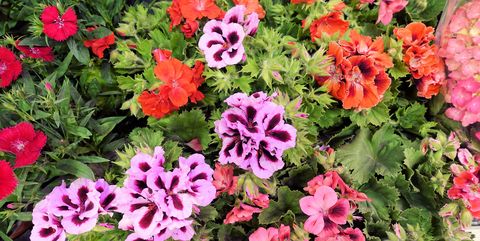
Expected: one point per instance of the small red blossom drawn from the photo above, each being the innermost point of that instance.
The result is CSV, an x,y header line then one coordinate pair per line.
x,y
22,141
329,24
99,45
241,213
8,181
10,67
224,180
59,27
189,28
36,52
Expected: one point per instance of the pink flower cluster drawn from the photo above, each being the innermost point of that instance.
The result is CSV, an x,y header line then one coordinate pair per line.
x,y
254,134
73,210
387,9
461,50
222,41
466,181
271,234
158,203
327,212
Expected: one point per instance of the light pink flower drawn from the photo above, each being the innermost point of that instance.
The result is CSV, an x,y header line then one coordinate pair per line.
x,y
388,8
325,212
271,234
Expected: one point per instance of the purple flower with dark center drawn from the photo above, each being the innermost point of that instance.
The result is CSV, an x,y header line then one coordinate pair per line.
x,y
140,166
237,15
109,197
199,179
47,227
222,43
254,134
78,205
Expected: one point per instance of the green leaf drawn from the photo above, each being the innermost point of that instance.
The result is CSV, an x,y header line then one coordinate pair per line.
x,y
23,216
412,116
75,168
425,10
383,196
92,159
399,70
416,216
412,157
368,155
375,116
208,213
79,51
287,200
79,131
4,236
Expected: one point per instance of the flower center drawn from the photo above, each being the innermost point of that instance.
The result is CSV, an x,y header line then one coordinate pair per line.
x,y
19,145
35,50
3,67
59,21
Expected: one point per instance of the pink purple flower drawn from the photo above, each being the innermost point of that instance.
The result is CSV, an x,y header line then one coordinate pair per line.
x,y
271,234
254,134
388,8
237,15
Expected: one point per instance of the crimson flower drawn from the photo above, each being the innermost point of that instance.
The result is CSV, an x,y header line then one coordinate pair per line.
x,y
22,141
58,27
99,45
8,181
10,67
36,52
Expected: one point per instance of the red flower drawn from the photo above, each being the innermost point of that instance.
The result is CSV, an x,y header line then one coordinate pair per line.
x,y
99,45
38,52
197,9
189,28
22,141
156,104
224,180
253,6
329,24
59,27
241,213
10,67
178,77
161,55
198,80
175,14
8,181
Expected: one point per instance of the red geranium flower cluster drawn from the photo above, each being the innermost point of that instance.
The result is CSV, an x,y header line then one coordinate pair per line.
x,y
26,144
58,27
357,76
466,181
36,52
180,83
422,59
99,45
328,24
191,11
10,67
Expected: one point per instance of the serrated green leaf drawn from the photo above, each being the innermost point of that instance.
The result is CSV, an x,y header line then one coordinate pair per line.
x,y
287,200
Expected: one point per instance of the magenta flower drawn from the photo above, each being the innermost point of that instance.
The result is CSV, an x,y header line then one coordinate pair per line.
x,y
325,212
47,227
237,15
388,8
254,134
109,197
222,43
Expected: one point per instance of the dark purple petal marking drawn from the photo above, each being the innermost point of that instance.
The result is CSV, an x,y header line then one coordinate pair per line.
x,y
233,53
45,232
177,202
217,29
218,55
141,184
280,135
136,206
229,147
100,189
213,42
201,176
66,200
144,166
251,113
233,38
233,19
82,194
239,149
274,122
183,229
235,118
269,156
159,183
193,165
89,206
108,200
147,219
338,210
175,182
77,221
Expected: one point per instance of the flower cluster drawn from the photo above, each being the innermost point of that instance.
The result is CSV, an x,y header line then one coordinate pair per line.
x,y
422,58
222,41
271,234
158,204
180,83
461,50
466,181
357,75
327,212
329,24
73,210
254,134
191,11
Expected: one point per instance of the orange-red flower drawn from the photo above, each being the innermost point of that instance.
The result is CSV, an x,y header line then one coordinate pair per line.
x,y
180,83
197,9
189,28
357,75
253,6
99,45
175,13
329,24
414,34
